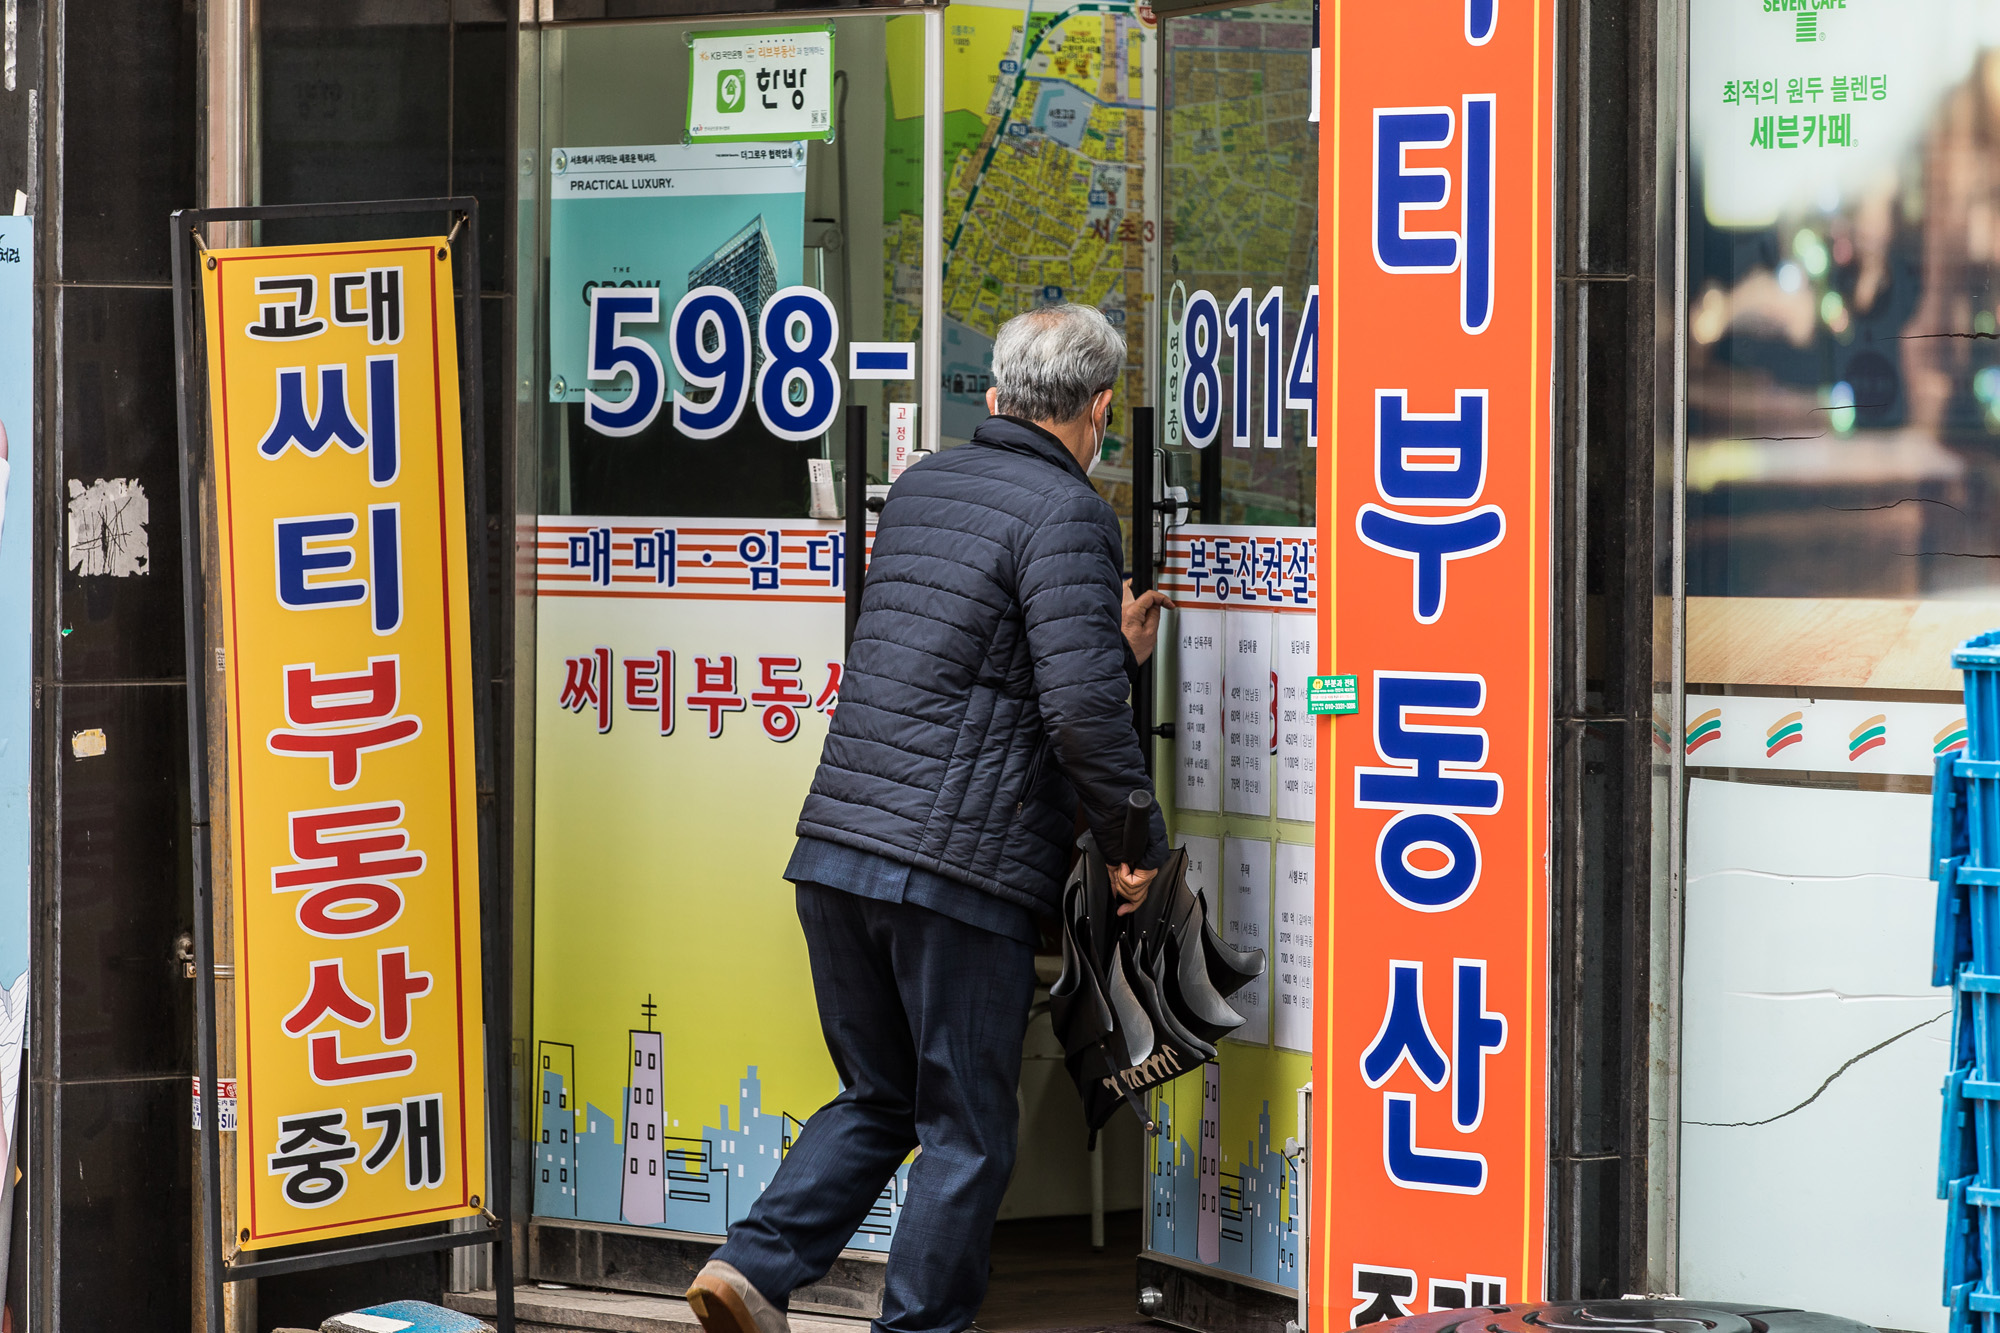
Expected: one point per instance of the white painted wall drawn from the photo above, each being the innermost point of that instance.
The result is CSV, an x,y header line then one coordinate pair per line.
x,y
1808,941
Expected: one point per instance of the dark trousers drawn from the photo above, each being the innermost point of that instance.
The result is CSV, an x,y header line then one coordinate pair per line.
x,y
924,1017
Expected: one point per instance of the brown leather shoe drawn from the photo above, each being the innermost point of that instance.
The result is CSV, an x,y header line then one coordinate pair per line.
x,y
725,1302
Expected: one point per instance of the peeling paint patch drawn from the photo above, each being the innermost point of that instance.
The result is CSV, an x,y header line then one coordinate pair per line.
x,y
88,744
107,527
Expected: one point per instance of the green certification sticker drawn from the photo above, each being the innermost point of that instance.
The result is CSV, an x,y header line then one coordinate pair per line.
x,y
1333,694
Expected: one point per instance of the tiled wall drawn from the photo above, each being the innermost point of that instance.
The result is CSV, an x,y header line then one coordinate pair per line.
x,y
361,99
114,144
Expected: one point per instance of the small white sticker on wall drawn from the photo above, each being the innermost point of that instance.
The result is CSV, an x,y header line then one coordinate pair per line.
x,y
87,744
107,527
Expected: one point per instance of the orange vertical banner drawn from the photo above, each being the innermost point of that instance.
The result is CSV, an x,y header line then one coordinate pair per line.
x,y
1429,1137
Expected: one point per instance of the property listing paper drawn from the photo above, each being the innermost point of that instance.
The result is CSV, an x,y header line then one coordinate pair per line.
x,y
1204,856
1246,880
1250,703
1291,961
340,514
1430,1142
1296,647
1200,708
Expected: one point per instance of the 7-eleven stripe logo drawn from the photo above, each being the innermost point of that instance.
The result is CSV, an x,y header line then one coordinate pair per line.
x,y
1702,730
1872,734
1787,731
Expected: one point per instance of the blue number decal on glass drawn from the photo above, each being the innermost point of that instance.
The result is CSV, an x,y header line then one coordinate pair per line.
x,y
1302,380
1237,318
798,392
1271,333
1201,385
615,353
711,347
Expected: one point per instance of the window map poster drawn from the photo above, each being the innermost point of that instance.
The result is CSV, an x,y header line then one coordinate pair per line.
x,y
1430,1138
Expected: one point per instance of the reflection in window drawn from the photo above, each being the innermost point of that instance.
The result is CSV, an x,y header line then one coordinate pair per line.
x,y
1240,196
625,219
1046,140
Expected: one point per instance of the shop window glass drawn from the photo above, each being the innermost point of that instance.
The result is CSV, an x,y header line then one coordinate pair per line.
x,y
1047,135
1842,536
1238,189
1843,399
353,104
1241,183
772,216
687,596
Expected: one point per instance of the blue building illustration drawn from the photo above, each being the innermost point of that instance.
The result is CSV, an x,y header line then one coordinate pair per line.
x,y
555,1125
1255,1226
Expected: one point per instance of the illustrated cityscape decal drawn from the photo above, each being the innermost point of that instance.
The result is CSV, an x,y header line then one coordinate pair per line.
x,y
643,1169
1242,1222
656,1174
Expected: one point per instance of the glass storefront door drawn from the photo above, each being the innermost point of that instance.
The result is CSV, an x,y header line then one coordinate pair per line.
x,y
722,215
688,574
1238,270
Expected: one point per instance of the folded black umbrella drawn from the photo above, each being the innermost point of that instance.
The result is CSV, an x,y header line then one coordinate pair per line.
x,y
1143,997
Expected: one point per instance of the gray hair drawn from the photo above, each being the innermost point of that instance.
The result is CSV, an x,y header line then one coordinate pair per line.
x,y
1049,363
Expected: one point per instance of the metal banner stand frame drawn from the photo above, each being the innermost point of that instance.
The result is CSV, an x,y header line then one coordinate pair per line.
x,y
496,925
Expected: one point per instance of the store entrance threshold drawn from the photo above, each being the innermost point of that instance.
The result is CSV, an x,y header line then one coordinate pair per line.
x,y
1046,1279
1046,1276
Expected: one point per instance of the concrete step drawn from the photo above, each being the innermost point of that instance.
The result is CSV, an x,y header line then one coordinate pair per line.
x,y
540,1309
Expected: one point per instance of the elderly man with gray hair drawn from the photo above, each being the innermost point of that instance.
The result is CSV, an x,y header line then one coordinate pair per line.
x,y
984,718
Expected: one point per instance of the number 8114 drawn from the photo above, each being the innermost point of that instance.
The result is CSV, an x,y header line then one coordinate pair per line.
x,y
796,389
1287,384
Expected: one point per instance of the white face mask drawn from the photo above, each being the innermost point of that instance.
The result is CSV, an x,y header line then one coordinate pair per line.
x,y
1098,455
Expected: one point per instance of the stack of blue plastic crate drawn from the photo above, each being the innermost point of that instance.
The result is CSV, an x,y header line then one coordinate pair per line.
x,y
1965,862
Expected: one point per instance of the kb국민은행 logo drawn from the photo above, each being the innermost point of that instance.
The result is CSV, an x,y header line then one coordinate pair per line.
x,y
730,88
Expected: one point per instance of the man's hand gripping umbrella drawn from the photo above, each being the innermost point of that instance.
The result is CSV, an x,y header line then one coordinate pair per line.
x,y
1145,987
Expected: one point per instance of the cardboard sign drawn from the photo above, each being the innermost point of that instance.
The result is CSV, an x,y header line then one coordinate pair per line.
x,y
340,517
1429,1088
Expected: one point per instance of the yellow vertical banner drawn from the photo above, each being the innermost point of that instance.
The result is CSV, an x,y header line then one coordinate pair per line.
x,y
340,513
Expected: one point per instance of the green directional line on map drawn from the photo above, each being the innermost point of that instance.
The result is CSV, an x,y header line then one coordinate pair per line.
x,y
1028,50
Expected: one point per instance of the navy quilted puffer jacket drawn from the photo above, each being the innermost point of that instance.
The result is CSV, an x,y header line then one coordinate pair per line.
x,y
987,693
